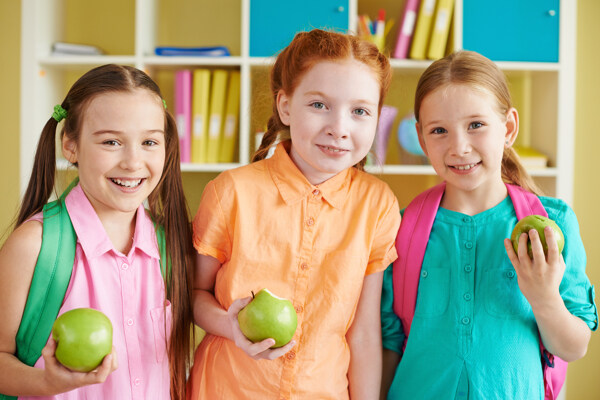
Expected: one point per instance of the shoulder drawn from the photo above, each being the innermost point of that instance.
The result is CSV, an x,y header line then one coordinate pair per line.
x,y
371,185
560,212
19,254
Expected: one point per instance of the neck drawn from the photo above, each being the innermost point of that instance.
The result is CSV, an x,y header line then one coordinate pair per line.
x,y
120,229
472,202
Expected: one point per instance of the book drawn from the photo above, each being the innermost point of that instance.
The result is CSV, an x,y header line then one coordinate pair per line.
x,y
211,51
231,122
418,47
440,29
200,97
183,112
218,92
63,48
406,28
531,158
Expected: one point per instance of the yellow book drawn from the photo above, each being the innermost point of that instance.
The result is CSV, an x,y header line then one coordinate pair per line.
x,y
418,48
218,92
230,125
200,97
531,158
440,29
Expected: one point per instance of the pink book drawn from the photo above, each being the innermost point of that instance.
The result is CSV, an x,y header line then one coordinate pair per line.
x,y
183,112
406,28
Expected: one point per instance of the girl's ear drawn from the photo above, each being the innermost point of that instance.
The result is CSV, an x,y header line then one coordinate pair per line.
x,y
69,149
283,107
420,136
512,127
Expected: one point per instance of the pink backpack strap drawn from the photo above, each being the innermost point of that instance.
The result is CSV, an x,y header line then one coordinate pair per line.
x,y
411,243
555,369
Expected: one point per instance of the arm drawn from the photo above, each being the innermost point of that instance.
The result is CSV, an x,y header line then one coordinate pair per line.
x,y
563,334
213,318
18,257
364,340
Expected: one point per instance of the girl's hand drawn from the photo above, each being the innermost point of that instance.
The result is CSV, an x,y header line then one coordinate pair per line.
x,y
259,350
539,279
60,379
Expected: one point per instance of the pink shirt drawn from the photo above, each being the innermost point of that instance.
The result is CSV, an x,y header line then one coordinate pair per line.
x,y
130,290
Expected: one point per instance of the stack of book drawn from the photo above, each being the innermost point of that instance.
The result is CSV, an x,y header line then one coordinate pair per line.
x,y
424,29
207,104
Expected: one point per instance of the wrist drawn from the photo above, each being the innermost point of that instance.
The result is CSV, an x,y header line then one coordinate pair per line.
x,y
548,306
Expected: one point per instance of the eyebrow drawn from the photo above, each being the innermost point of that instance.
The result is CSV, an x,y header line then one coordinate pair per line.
x,y
115,132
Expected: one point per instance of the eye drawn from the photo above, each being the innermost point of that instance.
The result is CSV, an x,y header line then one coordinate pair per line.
x,y
150,142
438,131
318,105
110,142
361,112
475,125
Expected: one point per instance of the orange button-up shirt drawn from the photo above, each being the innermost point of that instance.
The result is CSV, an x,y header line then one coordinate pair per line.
x,y
270,228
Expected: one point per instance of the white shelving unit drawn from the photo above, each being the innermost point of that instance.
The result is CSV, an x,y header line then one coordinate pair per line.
x,y
42,82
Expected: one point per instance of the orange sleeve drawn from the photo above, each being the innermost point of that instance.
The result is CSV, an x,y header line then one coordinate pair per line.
x,y
383,248
211,236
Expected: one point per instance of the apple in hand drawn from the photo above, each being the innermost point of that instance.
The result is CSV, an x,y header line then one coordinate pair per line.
x,y
83,338
538,223
268,316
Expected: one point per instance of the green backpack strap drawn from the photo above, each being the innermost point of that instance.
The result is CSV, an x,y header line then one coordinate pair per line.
x,y
165,264
50,280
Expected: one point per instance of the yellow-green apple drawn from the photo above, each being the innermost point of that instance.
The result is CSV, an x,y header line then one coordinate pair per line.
x,y
538,223
83,338
268,316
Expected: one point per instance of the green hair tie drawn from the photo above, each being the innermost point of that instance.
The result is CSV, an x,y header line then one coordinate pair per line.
x,y
164,103
59,113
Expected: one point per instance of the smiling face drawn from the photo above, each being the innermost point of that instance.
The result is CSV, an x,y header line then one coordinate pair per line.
x,y
120,153
332,115
463,133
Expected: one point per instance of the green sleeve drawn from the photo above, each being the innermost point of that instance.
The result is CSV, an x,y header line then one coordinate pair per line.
x,y
391,327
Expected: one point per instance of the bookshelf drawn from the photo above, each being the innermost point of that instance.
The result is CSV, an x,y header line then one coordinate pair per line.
x,y
543,91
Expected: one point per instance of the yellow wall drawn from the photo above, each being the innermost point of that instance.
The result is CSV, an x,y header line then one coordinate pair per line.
x,y
583,380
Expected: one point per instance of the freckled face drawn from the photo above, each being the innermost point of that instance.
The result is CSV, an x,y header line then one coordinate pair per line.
x,y
332,115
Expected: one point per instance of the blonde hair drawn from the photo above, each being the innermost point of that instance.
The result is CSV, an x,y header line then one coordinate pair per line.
x,y
474,70
304,51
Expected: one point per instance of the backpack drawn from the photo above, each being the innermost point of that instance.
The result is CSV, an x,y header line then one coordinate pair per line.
x,y
411,243
51,279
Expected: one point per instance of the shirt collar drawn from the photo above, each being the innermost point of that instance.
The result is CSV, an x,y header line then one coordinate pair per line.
x,y
92,235
293,185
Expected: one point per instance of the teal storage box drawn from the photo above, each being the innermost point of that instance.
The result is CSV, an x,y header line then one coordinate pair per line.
x,y
273,23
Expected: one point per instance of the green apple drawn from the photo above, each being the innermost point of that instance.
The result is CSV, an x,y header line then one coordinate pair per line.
x,y
268,316
83,338
538,223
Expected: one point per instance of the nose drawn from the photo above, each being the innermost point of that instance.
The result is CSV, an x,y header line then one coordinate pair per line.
x,y
460,144
338,126
131,158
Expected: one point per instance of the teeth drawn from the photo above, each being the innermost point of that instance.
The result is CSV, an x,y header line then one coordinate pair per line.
x,y
465,167
332,149
128,183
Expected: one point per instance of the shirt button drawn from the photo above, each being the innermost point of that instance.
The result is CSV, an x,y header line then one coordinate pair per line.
x,y
298,309
467,296
125,266
465,320
130,321
310,221
316,192
469,245
291,355
466,219
424,274
304,266
468,268
510,274
137,382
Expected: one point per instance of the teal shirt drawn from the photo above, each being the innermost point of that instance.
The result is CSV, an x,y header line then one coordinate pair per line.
x,y
474,335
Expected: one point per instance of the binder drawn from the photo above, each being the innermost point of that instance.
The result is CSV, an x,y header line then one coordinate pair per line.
x,y
440,29
230,124
200,97
218,92
183,111
418,48
406,28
